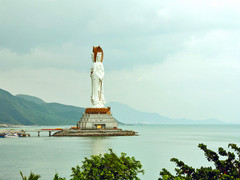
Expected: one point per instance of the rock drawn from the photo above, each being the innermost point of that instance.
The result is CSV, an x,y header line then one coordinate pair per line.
x,y
78,132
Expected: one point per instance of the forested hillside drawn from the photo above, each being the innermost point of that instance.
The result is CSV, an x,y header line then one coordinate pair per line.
x,y
28,110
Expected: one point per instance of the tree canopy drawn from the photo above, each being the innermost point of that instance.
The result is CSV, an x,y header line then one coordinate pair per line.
x,y
107,166
227,169
32,176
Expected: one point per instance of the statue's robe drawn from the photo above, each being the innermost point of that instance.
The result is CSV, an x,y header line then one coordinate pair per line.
x,y
97,95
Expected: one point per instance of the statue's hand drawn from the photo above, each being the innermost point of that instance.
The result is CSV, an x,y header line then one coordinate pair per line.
x,y
92,57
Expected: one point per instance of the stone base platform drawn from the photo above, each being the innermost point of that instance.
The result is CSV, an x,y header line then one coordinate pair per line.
x,y
77,132
97,118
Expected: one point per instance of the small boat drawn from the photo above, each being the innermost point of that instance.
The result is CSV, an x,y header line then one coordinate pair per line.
x,y
11,135
23,134
2,135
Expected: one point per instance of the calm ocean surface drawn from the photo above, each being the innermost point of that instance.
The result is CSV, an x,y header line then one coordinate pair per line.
x,y
154,147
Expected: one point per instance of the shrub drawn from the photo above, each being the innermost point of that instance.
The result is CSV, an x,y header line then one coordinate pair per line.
x,y
107,166
226,169
32,176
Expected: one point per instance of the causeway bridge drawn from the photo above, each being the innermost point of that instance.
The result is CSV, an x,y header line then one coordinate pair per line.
x,y
30,130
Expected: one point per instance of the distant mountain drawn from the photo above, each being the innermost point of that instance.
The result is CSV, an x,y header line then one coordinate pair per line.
x,y
128,115
29,110
31,98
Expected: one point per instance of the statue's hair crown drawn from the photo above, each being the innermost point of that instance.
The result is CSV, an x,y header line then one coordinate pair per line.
x,y
97,50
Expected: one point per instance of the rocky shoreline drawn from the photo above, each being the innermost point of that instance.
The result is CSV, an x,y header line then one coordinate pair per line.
x,y
78,132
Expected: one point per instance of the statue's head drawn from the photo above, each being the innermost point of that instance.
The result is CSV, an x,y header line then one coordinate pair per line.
x,y
97,51
99,57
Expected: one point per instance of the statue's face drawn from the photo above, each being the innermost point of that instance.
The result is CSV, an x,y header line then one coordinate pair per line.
x,y
99,57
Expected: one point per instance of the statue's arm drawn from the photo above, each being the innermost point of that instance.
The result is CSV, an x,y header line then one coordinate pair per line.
x,y
93,69
98,71
101,72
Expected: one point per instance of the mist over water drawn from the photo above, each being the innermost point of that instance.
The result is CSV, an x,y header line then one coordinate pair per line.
x,y
154,147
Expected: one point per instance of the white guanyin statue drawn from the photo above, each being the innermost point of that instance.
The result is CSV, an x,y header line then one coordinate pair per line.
x,y
97,75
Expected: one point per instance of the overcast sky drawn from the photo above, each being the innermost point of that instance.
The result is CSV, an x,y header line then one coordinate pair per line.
x,y
178,58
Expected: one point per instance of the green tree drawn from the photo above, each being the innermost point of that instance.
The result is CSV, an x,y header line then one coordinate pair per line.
x,y
31,176
56,177
227,169
107,166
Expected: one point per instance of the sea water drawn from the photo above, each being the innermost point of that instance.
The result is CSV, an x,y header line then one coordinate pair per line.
x,y
154,147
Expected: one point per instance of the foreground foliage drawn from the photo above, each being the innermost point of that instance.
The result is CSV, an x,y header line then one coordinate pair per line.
x,y
108,166
227,169
98,167
31,176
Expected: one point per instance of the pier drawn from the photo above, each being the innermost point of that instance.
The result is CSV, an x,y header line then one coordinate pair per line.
x,y
72,132
38,131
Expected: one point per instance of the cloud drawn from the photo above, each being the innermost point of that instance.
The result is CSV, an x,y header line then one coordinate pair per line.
x,y
199,82
177,58
64,57
131,31
183,86
52,85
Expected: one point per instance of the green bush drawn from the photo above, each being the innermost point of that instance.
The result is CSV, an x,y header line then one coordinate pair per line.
x,y
31,176
108,166
227,169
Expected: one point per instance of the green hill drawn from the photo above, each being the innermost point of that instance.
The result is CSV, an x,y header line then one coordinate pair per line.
x,y
129,115
31,98
29,110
